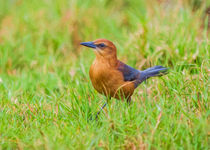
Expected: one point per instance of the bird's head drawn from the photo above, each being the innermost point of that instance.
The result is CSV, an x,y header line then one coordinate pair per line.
x,y
102,48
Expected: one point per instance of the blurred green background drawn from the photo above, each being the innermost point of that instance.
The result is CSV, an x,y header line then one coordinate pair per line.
x,y
45,91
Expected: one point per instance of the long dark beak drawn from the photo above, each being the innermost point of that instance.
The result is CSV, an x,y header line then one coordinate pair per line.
x,y
88,44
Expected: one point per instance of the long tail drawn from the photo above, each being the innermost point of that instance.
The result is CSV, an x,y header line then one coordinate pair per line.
x,y
153,72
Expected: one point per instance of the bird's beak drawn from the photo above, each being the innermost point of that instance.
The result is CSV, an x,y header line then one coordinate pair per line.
x,y
88,44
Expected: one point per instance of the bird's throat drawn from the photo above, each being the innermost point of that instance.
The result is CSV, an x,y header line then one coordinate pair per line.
x,y
110,60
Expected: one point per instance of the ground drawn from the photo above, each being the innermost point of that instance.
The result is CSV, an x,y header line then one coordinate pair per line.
x,y
46,96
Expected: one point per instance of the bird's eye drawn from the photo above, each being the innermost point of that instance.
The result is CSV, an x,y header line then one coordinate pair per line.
x,y
101,45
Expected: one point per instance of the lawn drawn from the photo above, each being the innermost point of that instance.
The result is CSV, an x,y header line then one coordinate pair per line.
x,y
46,96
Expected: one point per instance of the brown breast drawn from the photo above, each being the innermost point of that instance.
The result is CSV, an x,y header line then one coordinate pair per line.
x,y
108,81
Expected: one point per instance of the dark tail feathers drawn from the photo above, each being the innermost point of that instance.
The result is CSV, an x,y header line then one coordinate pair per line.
x,y
153,72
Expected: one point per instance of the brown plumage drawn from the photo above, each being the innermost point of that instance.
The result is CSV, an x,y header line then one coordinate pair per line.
x,y
113,78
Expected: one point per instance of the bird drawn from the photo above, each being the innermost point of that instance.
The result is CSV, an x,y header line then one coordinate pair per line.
x,y
113,78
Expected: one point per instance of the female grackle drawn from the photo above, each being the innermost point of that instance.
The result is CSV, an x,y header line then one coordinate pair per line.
x,y
113,78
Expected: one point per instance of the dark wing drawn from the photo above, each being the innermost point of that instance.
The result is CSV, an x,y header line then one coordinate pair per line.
x,y
129,73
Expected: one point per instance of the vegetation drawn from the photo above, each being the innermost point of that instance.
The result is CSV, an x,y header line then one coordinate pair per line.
x,y
46,96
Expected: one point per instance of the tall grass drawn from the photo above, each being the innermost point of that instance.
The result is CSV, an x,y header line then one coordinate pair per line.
x,y
46,96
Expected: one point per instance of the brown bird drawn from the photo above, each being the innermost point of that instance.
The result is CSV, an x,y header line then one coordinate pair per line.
x,y
113,78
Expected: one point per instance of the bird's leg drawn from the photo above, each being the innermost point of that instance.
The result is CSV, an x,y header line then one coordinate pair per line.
x,y
129,101
96,117
107,99
100,110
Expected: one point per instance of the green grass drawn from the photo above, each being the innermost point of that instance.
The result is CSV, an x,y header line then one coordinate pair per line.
x,y
46,95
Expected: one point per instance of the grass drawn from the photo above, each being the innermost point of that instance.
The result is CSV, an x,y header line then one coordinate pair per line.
x,y
46,95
